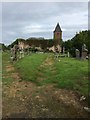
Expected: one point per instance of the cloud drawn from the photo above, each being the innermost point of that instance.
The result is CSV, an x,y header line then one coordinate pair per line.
x,y
45,0
39,19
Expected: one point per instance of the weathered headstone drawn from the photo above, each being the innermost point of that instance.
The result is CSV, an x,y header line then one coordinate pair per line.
x,y
11,56
77,54
21,53
14,51
68,54
63,50
84,52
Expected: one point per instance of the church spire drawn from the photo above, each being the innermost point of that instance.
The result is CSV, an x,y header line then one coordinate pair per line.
x,y
58,28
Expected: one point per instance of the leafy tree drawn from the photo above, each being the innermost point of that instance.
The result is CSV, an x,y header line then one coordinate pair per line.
x,y
77,42
3,47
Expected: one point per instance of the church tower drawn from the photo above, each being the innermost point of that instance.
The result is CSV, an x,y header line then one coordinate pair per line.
x,y
57,37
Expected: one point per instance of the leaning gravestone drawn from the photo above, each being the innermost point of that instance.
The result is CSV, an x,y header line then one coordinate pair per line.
x,y
77,54
84,52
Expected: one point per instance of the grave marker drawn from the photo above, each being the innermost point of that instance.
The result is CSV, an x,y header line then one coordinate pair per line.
x,y
84,52
77,54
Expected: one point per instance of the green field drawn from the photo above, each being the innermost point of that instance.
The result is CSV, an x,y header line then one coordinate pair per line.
x,y
68,73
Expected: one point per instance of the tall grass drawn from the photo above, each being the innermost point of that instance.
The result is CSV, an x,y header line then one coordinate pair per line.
x,y
68,73
27,67
72,74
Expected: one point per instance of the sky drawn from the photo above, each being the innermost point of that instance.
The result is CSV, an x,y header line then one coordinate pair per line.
x,y
38,19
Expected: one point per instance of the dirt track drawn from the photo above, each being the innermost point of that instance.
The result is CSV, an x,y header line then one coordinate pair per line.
x,y
25,99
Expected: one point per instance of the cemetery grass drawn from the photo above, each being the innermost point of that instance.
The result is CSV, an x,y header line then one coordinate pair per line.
x,y
6,73
67,73
40,85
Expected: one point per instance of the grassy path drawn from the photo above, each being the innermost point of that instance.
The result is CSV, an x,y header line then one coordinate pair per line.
x,y
26,99
46,71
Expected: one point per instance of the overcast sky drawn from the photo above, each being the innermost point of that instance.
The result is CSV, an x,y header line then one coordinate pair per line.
x,y
25,19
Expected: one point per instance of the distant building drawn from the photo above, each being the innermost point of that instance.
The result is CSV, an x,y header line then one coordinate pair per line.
x,y
40,43
57,38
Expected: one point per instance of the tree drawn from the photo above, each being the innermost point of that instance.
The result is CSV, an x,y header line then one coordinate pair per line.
x,y
77,42
3,47
80,39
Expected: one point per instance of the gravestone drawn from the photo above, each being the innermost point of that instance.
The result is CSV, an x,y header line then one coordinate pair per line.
x,y
21,55
84,52
77,54
12,55
63,50
68,54
14,51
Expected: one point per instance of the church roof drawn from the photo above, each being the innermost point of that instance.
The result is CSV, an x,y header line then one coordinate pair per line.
x,y
58,29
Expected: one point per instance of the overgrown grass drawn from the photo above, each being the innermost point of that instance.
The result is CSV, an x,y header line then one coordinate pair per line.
x,y
67,73
27,66
72,74
6,76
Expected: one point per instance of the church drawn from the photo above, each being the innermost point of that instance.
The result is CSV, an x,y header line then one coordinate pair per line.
x,y
57,38
41,44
